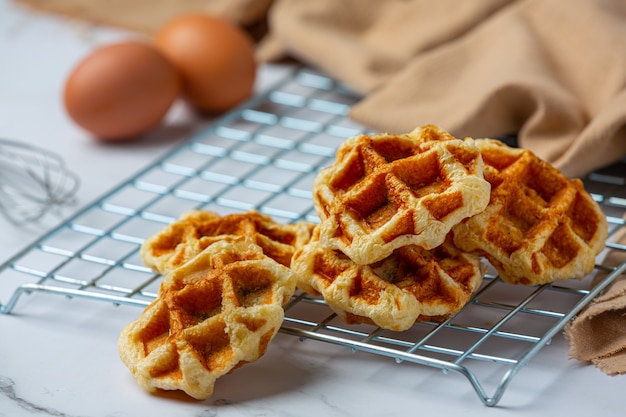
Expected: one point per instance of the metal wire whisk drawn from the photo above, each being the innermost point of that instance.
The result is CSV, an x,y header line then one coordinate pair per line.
x,y
33,182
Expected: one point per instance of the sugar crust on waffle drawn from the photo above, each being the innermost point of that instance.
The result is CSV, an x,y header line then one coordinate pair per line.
x,y
196,230
539,226
386,191
212,315
412,284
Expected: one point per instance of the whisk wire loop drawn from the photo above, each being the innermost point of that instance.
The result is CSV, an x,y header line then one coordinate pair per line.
x,y
33,182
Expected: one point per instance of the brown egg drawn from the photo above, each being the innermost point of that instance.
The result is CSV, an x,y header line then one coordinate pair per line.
x,y
214,58
121,90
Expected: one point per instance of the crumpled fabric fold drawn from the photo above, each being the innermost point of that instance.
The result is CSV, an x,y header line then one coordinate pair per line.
x,y
598,333
546,70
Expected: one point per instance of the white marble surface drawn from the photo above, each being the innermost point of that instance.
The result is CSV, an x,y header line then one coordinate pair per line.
x,y
58,357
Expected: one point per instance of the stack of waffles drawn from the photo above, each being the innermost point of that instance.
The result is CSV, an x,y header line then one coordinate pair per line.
x,y
406,223
220,302
382,253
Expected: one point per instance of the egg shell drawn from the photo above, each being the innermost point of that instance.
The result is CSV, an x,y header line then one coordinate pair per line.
x,y
214,57
121,90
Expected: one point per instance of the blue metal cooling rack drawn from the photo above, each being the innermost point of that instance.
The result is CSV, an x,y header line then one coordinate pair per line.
x,y
265,156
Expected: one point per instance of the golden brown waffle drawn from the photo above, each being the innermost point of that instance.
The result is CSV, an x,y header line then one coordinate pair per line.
x,y
412,284
539,226
196,230
213,314
387,191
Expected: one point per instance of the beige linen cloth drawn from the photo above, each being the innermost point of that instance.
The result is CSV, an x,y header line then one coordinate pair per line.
x,y
551,71
598,333
147,16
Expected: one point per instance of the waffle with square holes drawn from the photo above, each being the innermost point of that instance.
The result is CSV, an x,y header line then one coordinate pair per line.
x,y
387,191
195,230
213,314
412,284
539,226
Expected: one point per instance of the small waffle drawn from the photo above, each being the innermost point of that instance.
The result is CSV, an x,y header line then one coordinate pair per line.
x,y
412,284
195,230
213,314
539,226
387,191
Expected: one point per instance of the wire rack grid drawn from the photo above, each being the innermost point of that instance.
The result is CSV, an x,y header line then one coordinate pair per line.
x,y
264,156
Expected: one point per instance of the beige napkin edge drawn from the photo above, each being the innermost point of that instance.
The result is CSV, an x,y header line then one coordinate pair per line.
x,y
612,365
586,342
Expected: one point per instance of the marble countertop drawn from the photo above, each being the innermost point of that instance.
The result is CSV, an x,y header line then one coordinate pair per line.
x,y
58,357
